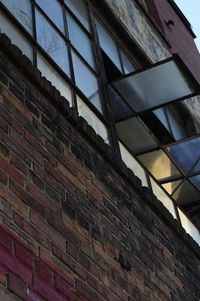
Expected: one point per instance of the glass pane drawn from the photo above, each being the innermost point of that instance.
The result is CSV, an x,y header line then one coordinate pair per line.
x,y
54,11
22,12
196,181
79,8
135,135
189,227
119,108
15,35
186,193
108,45
197,167
128,67
160,114
86,81
171,186
52,42
186,153
155,86
92,120
176,126
80,41
163,197
130,162
49,72
159,165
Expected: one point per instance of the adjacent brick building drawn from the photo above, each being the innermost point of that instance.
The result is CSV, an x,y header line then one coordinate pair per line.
x,y
99,187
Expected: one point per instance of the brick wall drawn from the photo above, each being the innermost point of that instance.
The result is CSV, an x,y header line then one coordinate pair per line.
x,y
75,222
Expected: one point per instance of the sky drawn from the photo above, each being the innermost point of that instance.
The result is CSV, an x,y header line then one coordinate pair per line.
x,y
191,10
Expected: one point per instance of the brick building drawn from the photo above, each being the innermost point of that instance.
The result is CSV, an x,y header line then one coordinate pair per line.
x,y
99,151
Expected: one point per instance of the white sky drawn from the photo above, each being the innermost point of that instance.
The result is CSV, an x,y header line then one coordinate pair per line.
x,y
191,10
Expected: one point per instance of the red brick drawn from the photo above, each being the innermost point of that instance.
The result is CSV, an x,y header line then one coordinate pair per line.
x,y
71,263
32,296
53,264
48,230
43,272
38,195
14,265
62,286
11,171
5,240
15,102
17,286
3,177
20,141
46,291
60,178
3,277
32,231
24,255
39,147
19,165
3,125
27,199
5,208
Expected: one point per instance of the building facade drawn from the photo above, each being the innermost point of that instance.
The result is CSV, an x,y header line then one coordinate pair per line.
x,y
100,161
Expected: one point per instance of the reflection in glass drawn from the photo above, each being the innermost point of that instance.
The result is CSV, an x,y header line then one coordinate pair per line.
x,y
92,120
135,135
108,45
171,186
186,153
119,108
130,162
153,87
80,41
79,8
197,167
186,193
196,181
128,67
15,35
52,42
49,72
176,126
189,227
86,81
22,12
160,114
163,197
54,11
159,165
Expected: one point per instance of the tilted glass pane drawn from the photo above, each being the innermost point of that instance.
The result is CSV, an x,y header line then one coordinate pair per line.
x,y
135,135
159,165
153,87
80,41
86,81
197,167
92,120
186,153
163,197
189,227
54,11
176,126
128,67
17,38
108,45
22,11
49,72
171,186
52,42
186,193
119,108
160,114
196,181
79,8
130,162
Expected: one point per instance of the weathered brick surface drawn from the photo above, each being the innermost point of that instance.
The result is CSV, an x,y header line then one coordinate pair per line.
x,y
74,226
